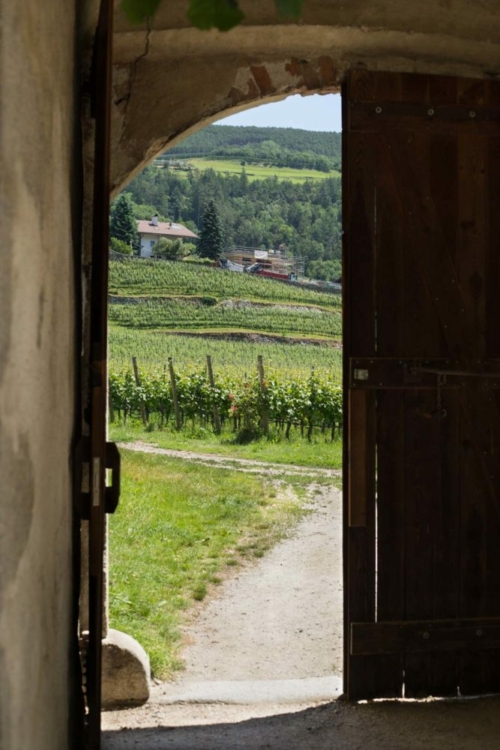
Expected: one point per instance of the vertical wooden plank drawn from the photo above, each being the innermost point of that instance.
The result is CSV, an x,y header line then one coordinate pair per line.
x,y
442,90
422,485
415,88
359,231
491,397
476,674
363,671
472,91
417,338
359,86
359,457
346,324
492,262
98,355
359,339
449,322
446,543
390,527
444,187
387,86
472,543
391,291
391,316
480,513
472,235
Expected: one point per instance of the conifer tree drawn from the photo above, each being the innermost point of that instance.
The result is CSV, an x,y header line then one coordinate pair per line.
x,y
211,240
123,224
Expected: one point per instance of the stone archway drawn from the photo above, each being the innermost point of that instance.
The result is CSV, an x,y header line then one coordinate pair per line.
x,y
171,79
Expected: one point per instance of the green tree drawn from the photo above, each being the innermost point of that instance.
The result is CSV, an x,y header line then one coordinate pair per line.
x,y
211,240
325,270
189,248
123,224
119,246
169,249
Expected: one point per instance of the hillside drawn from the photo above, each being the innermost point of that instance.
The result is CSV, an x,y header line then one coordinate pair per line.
x,y
160,309
214,139
304,218
257,171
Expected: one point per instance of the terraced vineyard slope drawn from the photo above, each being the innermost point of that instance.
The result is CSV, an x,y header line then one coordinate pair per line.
x,y
161,308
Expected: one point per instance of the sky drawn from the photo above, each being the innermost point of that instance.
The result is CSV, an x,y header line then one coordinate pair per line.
x,y
306,112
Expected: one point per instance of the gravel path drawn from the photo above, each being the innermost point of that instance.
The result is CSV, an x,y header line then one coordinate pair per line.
x,y
280,619
227,462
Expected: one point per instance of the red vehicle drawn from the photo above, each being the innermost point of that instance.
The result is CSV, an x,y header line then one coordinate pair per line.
x,y
259,270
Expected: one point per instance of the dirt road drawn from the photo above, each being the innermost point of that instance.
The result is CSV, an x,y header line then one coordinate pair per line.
x,y
227,462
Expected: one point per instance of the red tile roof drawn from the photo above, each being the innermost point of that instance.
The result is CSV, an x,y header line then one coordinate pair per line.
x,y
165,229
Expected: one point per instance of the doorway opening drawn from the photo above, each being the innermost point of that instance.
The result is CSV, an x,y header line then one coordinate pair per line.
x,y
226,386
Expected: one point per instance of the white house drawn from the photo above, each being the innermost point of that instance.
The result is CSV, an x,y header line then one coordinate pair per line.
x,y
151,231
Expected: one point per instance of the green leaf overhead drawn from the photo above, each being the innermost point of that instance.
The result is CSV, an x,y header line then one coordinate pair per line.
x,y
207,14
218,14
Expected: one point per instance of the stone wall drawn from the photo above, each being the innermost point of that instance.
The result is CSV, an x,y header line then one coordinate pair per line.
x,y
40,227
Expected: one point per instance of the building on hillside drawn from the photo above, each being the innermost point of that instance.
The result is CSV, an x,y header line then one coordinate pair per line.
x,y
276,261
151,231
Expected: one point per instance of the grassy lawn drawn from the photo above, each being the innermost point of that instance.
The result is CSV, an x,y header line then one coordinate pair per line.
x,y
179,526
261,172
320,452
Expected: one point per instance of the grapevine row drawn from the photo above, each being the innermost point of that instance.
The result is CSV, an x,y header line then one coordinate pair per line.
x,y
175,314
245,402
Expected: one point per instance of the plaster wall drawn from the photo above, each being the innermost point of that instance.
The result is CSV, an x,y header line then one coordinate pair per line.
x,y
39,240
171,79
146,246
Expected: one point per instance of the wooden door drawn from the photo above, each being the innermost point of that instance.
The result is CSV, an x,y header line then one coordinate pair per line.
x,y
422,383
98,454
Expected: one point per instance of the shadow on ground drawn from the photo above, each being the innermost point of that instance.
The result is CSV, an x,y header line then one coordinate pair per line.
x,y
429,725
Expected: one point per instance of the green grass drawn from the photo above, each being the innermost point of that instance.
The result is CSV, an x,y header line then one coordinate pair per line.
x,y
141,276
176,530
261,171
176,314
297,451
152,349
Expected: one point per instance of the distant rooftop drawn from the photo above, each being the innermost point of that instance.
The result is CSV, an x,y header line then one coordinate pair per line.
x,y
164,229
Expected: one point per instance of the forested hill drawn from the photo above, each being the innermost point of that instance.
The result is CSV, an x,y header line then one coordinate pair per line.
x,y
272,188
247,141
302,218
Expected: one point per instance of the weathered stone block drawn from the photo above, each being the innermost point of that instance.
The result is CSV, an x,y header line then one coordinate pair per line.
x,y
125,671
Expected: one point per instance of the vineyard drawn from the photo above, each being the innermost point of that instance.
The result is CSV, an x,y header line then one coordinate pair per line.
x,y
160,277
237,357
179,312
248,403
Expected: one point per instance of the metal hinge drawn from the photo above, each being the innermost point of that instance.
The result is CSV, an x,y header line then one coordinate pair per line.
x,y
81,478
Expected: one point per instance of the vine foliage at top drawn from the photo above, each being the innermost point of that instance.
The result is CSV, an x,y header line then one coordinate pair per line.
x,y
207,14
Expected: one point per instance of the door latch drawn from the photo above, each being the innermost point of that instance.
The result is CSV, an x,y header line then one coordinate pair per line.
x,y
81,478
